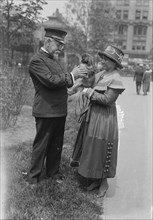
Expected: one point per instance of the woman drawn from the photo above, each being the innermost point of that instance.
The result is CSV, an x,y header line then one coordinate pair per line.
x,y
146,80
96,146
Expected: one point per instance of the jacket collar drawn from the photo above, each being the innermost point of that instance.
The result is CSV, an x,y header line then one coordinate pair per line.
x,y
45,52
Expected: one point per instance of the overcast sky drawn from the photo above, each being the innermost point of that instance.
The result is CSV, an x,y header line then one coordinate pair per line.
x,y
50,8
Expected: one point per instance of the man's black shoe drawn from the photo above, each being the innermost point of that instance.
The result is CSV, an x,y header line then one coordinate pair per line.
x,y
59,176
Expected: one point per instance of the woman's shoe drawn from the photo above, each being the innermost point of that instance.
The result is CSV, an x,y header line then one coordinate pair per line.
x,y
74,163
93,185
103,188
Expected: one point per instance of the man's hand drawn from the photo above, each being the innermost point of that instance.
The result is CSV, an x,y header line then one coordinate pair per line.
x,y
79,72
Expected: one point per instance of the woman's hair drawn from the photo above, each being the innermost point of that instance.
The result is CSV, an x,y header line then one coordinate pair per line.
x,y
87,59
111,60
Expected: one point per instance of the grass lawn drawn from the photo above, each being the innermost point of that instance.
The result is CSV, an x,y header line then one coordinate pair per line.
x,y
49,200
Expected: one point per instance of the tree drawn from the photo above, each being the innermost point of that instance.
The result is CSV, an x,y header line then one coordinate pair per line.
x,y
20,21
102,24
91,25
77,20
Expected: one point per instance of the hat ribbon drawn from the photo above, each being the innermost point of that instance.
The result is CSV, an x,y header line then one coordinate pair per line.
x,y
113,51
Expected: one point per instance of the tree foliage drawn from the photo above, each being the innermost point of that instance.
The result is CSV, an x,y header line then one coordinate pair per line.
x,y
14,82
77,20
91,23
102,24
20,19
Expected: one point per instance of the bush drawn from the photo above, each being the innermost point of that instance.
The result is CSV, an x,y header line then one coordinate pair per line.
x,y
14,82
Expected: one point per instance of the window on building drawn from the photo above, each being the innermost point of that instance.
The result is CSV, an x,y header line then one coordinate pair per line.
x,y
118,14
125,14
137,14
139,2
133,47
145,2
138,46
140,30
145,15
141,45
119,2
122,30
126,2
121,44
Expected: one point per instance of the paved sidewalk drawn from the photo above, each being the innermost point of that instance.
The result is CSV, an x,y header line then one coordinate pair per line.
x,y
130,193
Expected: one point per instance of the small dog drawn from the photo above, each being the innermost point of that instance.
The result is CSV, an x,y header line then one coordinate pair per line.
x,y
86,81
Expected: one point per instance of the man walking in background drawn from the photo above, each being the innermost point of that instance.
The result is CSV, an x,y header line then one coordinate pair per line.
x,y
138,77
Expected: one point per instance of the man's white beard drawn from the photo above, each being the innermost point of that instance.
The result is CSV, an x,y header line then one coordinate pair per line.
x,y
56,55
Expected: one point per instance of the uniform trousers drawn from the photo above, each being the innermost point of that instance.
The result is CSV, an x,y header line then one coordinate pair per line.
x,y
47,147
138,87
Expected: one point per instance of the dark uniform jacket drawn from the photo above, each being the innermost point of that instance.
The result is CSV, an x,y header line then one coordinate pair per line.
x,y
50,82
138,75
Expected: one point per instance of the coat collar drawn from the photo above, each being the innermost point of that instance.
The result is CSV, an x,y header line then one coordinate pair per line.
x,y
45,52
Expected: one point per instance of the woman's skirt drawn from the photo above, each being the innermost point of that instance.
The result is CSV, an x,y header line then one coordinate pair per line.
x,y
146,87
96,145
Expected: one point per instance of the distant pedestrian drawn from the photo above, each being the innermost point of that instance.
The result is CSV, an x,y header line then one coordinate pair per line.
x,y
146,80
138,77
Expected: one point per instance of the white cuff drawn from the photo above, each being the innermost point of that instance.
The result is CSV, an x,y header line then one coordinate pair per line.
x,y
85,90
72,78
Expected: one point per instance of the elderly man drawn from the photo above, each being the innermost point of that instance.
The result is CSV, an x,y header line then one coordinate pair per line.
x,y
50,105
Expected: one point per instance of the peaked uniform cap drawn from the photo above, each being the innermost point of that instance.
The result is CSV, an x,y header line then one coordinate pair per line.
x,y
55,33
114,54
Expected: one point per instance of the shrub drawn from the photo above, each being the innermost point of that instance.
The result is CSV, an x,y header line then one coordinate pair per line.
x,y
14,82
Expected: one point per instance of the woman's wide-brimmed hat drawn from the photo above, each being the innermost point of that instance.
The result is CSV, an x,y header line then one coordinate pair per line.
x,y
114,54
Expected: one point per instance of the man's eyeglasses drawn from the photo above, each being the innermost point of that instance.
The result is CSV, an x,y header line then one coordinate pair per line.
x,y
60,44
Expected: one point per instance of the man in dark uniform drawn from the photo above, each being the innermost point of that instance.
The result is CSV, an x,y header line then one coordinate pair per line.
x,y
138,77
50,105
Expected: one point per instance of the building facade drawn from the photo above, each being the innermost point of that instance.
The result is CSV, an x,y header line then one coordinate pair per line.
x,y
134,29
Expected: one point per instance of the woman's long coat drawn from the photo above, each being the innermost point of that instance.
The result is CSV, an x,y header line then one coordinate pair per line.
x,y
96,146
146,81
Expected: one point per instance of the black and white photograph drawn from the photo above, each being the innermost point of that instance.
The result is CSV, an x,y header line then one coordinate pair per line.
x,y
76,85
